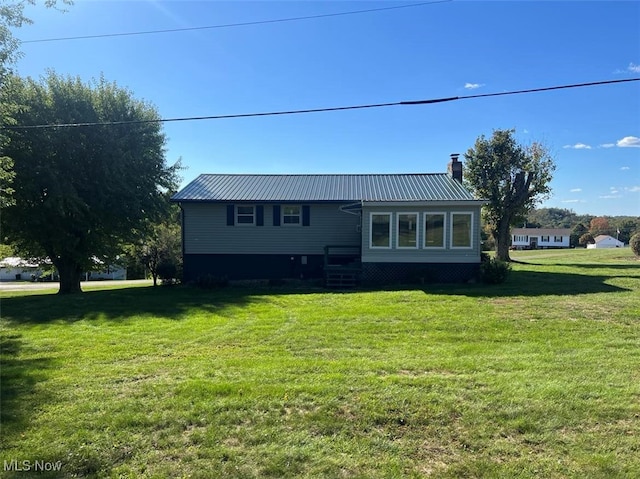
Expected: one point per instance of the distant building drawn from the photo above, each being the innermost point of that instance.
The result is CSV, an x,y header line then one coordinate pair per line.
x,y
605,241
18,269
540,238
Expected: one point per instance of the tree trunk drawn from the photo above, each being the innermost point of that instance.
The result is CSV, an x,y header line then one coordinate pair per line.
x,y
70,276
501,235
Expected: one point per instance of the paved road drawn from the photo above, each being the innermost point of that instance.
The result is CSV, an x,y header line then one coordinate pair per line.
x,y
86,285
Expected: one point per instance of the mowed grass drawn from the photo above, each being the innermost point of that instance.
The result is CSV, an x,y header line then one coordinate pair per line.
x,y
538,377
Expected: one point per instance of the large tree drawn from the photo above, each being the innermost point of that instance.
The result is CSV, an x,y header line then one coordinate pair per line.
x,y
511,177
83,191
12,16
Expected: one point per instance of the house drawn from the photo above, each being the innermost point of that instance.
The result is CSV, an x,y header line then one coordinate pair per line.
x,y
605,241
534,238
17,269
387,227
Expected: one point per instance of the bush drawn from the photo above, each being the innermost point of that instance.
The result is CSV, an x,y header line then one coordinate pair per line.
x,y
634,242
168,272
494,271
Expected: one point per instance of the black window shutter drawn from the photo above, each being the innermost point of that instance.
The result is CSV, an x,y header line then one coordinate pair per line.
x,y
276,215
259,215
306,215
231,213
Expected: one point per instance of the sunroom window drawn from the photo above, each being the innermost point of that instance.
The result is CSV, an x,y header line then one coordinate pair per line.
x,y
407,230
461,224
380,230
434,230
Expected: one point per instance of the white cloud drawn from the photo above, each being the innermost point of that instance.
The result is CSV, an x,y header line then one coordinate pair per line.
x,y
578,146
607,145
628,142
625,168
575,190
571,201
634,68
609,197
473,86
633,189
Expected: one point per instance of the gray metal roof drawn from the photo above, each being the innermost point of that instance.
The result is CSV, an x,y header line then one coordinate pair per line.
x,y
311,188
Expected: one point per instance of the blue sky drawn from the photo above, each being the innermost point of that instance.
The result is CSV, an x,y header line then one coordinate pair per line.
x,y
444,49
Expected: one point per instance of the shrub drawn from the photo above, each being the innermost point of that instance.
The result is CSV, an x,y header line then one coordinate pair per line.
x,y
634,242
494,271
168,272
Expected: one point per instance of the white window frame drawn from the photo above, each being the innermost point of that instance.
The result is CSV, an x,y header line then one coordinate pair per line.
x,y
452,222
444,229
417,215
244,215
545,239
381,213
282,215
558,239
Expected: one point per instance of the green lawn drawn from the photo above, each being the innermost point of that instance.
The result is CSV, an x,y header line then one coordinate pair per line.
x,y
538,377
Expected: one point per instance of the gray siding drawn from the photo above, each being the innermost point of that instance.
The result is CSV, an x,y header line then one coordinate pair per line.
x,y
206,231
420,254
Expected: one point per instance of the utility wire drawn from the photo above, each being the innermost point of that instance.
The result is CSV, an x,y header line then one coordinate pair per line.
x,y
316,110
231,25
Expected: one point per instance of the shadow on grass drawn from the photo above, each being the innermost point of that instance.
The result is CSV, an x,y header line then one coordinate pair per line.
x,y
18,382
176,303
545,283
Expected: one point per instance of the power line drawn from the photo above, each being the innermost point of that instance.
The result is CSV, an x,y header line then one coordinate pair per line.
x,y
232,25
316,110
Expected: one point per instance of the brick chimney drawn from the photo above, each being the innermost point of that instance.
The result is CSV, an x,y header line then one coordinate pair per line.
x,y
455,167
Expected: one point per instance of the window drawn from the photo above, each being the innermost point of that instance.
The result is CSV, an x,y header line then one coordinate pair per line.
x,y
434,230
407,230
557,239
380,230
521,238
291,215
461,230
245,215
544,239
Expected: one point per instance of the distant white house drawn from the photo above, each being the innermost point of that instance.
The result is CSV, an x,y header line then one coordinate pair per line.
x,y
605,241
535,238
17,269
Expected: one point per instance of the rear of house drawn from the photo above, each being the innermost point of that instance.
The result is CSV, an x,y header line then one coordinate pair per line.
x,y
387,227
